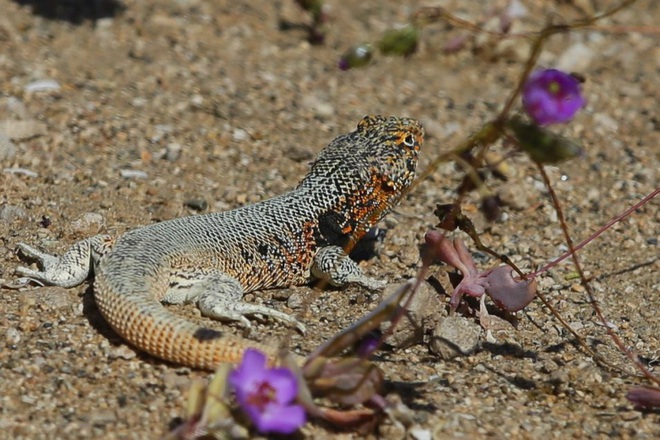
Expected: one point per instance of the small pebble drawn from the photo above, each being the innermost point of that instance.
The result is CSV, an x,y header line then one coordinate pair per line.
x,y
91,223
576,325
239,135
629,416
102,416
12,336
133,174
43,85
197,204
299,154
420,434
577,287
173,379
173,151
28,399
121,352
296,300
20,172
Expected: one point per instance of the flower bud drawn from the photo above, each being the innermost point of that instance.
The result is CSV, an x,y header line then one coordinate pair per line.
x,y
401,41
543,146
356,56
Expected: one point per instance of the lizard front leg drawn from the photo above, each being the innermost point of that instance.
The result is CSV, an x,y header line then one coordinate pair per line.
x,y
334,266
70,269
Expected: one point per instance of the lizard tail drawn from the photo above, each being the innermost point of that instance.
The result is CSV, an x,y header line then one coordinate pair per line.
x,y
146,324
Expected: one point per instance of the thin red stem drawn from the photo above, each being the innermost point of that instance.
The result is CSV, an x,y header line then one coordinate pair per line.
x,y
595,234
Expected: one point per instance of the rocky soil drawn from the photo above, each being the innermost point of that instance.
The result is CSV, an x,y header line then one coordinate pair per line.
x,y
111,118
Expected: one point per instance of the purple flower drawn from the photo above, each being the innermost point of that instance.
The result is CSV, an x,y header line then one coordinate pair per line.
x,y
266,394
551,96
369,344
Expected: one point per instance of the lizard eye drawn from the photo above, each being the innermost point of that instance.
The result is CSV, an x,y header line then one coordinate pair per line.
x,y
409,140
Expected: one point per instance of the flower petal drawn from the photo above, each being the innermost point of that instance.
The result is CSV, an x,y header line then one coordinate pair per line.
x,y
506,292
284,383
248,374
264,394
281,419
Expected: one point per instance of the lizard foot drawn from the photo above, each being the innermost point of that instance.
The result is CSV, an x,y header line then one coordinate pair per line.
x,y
69,270
220,296
332,265
213,307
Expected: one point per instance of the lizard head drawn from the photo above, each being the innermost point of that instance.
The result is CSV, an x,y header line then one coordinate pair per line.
x,y
368,171
391,148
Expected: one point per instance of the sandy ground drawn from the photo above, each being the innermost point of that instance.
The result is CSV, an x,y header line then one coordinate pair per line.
x,y
170,103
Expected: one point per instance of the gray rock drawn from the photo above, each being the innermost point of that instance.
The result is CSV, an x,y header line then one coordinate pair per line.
x,y
455,336
54,298
423,313
21,130
9,213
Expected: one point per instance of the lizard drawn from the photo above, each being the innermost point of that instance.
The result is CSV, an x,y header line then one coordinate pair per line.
x,y
214,259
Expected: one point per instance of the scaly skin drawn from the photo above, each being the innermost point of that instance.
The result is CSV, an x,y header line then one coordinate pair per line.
x,y
214,259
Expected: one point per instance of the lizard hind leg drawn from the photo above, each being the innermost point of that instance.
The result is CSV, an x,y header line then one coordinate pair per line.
x,y
70,269
220,296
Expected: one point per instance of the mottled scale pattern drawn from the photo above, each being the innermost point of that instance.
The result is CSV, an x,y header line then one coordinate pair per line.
x,y
355,180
